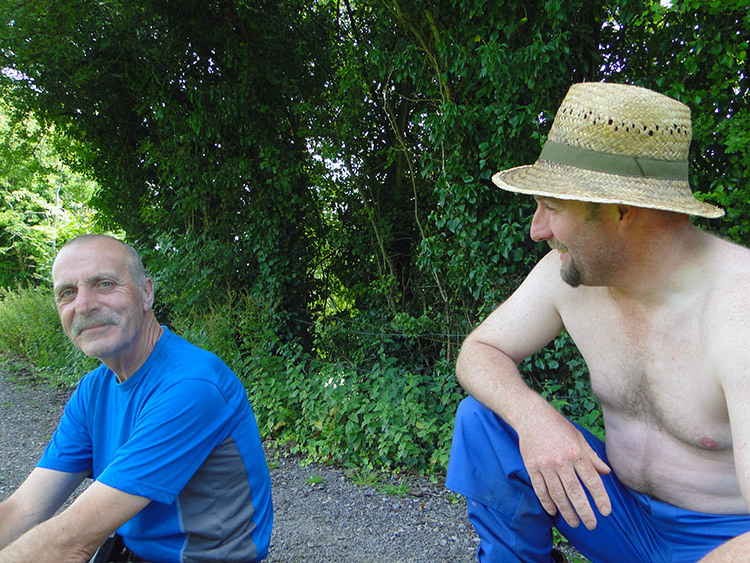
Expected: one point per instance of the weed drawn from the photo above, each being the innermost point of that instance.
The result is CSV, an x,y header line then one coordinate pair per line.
x,y
365,477
454,498
399,490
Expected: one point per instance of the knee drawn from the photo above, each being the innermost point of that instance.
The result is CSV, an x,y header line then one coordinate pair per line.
x,y
468,406
473,417
470,410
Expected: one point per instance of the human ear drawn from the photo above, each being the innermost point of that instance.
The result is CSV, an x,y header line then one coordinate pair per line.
x,y
148,290
625,215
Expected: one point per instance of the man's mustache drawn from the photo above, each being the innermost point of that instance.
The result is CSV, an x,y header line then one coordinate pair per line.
x,y
80,324
555,245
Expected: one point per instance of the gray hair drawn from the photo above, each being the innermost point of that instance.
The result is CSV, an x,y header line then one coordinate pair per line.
x,y
134,264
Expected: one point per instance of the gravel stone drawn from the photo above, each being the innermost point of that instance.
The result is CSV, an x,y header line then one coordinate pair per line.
x,y
320,514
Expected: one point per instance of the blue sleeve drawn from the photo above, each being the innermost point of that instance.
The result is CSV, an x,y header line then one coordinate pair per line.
x,y
173,434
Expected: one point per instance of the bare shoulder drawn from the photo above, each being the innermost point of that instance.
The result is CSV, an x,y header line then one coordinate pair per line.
x,y
536,296
727,306
728,276
547,273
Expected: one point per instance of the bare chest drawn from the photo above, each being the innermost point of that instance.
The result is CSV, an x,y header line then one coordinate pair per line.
x,y
655,371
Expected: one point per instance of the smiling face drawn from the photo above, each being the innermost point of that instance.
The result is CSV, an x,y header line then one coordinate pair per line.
x,y
584,235
103,302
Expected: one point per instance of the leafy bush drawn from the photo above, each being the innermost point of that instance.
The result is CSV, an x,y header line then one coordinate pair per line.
x,y
30,329
377,418
370,413
560,374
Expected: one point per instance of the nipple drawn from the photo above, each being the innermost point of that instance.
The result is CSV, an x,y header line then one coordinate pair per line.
x,y
708,443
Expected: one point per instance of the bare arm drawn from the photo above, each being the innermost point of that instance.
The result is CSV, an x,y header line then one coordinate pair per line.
x,y
36,500
738,402
76,533
733,360
554,451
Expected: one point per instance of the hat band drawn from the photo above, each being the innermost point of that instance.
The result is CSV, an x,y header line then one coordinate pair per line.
x,y
614,163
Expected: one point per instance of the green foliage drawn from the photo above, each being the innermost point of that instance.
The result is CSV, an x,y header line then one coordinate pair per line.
x,y
237,330
395,489
493,98
365,477
374,479
30,330
381,418
42,201
188,272
310,181
192,119
364,414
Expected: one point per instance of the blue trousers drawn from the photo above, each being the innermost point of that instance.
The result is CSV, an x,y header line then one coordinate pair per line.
x,y
486,467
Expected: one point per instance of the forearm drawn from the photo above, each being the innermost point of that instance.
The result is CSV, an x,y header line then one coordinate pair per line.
x,y
493,379
47,543
14,522
555,453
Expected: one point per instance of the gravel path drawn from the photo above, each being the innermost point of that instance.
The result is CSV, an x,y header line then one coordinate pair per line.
x,y
321,514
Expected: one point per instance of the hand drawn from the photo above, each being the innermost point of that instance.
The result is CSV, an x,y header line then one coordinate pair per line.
x,y
561,463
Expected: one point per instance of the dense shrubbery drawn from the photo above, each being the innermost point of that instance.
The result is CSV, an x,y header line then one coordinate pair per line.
x,y
310,181
365,413
30,330
370,413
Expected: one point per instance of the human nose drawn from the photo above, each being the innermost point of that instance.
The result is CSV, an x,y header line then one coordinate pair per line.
x,y
85,299
540,229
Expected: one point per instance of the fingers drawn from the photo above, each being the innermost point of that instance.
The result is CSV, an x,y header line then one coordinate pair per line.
x,y
601,467
568,494
578,502
589,479
590,475
563,468
539,483
564,489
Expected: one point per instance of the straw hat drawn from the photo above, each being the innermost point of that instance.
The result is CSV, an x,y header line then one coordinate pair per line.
x,y
614,143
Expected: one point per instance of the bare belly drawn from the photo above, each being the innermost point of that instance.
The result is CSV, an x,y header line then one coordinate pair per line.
x,y
698,477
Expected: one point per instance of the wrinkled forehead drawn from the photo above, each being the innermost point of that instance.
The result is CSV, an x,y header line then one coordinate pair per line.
x,y
87,258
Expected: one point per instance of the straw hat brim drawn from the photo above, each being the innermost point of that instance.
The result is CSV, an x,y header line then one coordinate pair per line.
x,y
561,181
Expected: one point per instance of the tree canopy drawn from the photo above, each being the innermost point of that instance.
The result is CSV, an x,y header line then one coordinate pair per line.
x,y
43,200
333,159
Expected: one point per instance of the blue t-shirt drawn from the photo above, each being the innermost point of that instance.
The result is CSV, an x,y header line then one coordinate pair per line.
x,y
180,432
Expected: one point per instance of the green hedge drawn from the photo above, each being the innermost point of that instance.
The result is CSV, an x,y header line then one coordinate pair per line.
x,y
370,413
30,330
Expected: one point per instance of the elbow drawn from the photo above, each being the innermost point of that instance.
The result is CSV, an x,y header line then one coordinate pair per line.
x,y
83,554
75,548
462,368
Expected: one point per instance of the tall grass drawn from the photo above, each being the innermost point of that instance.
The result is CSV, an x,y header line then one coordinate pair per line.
x,y
30,330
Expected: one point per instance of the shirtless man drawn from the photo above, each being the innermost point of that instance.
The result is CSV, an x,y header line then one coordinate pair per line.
x,y
659,310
